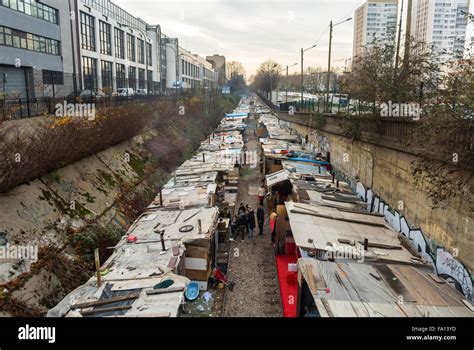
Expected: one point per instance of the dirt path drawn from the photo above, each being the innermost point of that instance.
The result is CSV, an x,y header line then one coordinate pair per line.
x,y
252,263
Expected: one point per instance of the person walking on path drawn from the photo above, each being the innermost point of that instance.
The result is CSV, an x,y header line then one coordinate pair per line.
x,y
273,218
242,224
251,222
233,228
260,219
261,194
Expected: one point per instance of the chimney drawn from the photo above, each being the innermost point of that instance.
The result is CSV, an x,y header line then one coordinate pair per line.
x,y
162,238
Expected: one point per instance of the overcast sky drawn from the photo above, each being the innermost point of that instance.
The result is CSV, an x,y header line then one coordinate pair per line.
x,y
253,31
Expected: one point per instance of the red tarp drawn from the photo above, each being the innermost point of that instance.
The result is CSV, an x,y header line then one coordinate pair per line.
x,y
288,284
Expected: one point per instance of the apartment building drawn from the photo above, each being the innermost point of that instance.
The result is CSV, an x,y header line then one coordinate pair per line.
x,y
219,64
443,24
374,20
36,57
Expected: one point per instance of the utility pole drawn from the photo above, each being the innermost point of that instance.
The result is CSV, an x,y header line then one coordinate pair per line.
x,y
302,72
286,84
331,26
302,79
328,77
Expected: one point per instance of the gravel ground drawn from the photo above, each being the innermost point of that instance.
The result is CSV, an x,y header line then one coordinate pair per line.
x,y
252,263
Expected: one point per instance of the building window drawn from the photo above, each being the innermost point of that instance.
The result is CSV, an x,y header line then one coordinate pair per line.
x,y
52,77
33,8
119,45
107,76
141,78
27,41
149,55
132,77
121,75
141,51
149,81
87,32
105,38
131,47
89,72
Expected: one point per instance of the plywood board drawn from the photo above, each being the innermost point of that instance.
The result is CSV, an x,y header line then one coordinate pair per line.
x,y
196,264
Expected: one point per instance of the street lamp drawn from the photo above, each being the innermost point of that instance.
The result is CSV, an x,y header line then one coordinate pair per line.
x,y
274,65
331,26
286,83
302,69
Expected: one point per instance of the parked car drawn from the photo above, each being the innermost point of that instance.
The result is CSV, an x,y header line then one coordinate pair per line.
x,y
85,96
125,92
142,92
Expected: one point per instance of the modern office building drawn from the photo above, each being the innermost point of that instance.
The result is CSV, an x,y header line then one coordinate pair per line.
x,y
118,50
115,49
187,70
374,20
35,49
219,64
56,47
441,23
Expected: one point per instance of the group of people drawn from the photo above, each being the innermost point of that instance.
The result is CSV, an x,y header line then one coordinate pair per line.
x,y
245,223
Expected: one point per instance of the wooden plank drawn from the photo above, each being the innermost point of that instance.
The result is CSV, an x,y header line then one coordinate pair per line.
x,y
106,309
176,250
173,261
352,221
197,252
196,275
104,301
196,264
394,283
302,194
436,278
468,304
382,246
165,290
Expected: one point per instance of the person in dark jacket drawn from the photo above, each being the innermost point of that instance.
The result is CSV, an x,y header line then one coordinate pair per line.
x,y
251,222
242,223
260,219
233,228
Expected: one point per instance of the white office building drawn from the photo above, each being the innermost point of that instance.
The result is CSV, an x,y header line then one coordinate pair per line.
x,y
186,69
115,49
442,23
374,20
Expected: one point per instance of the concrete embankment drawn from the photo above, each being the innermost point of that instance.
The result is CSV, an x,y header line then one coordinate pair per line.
x,y
88,204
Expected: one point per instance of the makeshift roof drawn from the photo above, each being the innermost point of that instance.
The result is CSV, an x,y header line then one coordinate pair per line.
x,y
318,228
380,290
138,267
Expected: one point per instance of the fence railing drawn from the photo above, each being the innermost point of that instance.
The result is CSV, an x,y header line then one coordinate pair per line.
x,y
26,108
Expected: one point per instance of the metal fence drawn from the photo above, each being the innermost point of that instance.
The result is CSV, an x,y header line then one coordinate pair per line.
x,y
40,93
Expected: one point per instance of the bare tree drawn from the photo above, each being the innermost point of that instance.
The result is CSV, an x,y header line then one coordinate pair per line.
x,y
267,76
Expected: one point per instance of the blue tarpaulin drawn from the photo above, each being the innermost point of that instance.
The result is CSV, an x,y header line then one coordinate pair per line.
x,y
237,115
